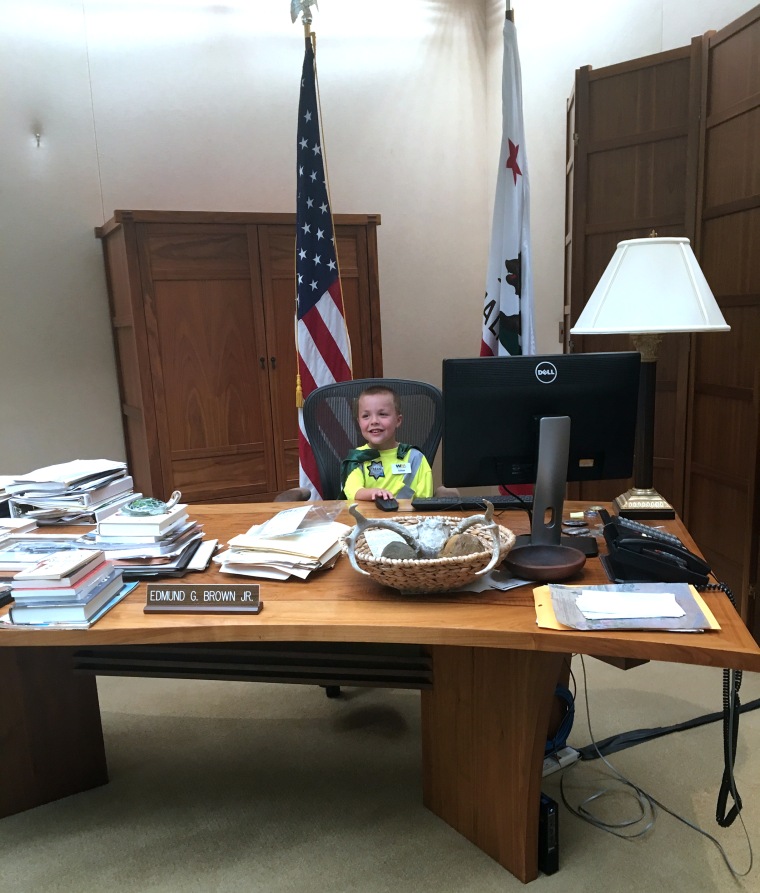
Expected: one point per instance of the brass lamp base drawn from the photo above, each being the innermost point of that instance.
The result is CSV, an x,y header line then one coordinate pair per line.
x,y
643,505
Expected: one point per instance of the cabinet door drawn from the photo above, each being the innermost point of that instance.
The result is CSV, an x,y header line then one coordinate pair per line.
x,y
208,360
358,264
276,260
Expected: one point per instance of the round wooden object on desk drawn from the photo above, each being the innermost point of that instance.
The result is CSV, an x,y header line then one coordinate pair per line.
x,y
545,564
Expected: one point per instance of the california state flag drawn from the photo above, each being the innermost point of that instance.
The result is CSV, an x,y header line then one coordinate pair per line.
x,y
508,311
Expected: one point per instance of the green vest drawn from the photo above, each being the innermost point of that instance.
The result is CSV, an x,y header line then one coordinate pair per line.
x,y
356,458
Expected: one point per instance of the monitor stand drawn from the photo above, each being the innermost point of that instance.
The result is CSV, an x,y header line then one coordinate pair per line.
x,y
549,492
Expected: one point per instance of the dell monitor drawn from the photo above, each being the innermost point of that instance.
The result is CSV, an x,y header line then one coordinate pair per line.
x,y
541,420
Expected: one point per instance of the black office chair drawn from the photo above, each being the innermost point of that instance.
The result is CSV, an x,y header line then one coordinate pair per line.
x,y
329,416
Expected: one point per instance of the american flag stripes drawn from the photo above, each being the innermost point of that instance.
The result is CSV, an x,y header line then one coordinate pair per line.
x,y
508,327
324,353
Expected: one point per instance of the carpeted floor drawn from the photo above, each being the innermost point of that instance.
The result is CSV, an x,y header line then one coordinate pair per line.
x,y
272,789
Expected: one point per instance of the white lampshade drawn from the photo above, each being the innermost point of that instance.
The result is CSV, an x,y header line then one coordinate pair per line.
x,y
651,285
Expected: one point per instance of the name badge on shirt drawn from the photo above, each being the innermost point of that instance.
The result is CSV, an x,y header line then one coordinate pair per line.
x,y
401,468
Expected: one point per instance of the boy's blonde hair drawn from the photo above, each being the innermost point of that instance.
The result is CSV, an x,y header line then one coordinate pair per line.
x,y
375,389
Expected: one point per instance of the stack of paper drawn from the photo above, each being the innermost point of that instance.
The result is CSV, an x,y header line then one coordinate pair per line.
x,y
150,545
284,547
83,491
635,606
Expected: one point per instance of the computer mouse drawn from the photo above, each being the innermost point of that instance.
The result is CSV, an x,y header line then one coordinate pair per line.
x,y
386,505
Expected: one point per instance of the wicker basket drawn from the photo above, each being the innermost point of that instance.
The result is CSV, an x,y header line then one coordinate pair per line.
x,y
416,576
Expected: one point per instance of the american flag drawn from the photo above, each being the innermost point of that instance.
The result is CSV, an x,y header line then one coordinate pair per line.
x,y
324,352
508,326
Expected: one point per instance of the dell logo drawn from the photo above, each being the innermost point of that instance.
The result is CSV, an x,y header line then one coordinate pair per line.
x,y
546,372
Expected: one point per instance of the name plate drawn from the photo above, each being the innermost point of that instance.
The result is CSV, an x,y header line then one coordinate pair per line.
x,y
204,598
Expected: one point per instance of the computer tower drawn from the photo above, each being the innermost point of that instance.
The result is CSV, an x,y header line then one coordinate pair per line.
x,y
548,836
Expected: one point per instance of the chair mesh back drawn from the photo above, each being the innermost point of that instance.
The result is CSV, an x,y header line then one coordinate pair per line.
x,y
329,417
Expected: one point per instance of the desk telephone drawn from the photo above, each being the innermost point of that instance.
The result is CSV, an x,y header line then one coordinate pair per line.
x,y
637,553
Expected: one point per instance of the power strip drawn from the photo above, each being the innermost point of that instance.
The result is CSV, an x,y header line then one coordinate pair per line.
x,y
560,760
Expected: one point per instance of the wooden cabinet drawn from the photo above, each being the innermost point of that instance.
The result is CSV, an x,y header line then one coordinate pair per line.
x,y
203,307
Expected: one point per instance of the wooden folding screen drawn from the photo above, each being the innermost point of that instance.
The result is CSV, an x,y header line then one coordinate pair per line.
x,y
632,166
722,504
671,143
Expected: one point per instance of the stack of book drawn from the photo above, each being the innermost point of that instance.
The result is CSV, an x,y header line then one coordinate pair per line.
x,y
83,491
71,588
148,545
279,551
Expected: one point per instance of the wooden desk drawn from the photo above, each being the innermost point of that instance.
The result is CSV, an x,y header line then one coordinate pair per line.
x,y
484,719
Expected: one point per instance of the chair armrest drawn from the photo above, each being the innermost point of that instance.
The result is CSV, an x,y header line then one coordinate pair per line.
x,y
295,494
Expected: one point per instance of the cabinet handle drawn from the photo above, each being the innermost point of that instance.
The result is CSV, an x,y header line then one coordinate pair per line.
x,y
262,362
273,361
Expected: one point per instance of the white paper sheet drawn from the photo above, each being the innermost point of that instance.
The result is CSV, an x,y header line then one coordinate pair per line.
x,y
629,605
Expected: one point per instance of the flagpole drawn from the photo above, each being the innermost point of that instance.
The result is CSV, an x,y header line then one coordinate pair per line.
x,y
306,20
323,348
507,319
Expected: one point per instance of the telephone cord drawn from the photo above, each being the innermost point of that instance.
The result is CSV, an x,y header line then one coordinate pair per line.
x,y
647,804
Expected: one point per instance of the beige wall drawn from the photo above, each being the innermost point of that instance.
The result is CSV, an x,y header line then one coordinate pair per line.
x,y
191,105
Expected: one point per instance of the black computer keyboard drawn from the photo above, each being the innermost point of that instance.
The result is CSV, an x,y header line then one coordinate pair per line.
x,y
460,503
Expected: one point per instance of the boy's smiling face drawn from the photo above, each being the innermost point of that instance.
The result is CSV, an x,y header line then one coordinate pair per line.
x,y
378,420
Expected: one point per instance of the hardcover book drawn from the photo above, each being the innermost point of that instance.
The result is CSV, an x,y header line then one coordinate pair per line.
x,y
75,610
136,547
121,523
42,589
64,567
170,534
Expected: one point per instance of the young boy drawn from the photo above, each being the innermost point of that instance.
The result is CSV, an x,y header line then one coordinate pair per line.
x,y
383,467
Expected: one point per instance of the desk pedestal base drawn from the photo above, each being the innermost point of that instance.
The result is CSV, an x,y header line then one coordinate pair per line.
x,y
50,732
484,727
483,737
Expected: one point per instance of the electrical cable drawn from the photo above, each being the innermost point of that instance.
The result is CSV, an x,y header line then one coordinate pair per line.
x,y
559,739
527,506
647,804
732,709
732,682
567,696
624,740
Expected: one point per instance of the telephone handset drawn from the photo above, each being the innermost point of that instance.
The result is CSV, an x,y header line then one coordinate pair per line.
x,y
637,553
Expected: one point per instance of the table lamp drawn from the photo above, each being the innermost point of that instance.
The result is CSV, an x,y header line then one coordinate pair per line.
x,y
650,287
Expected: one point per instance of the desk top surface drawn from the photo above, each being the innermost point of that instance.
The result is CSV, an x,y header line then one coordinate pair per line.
x,y
340,605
